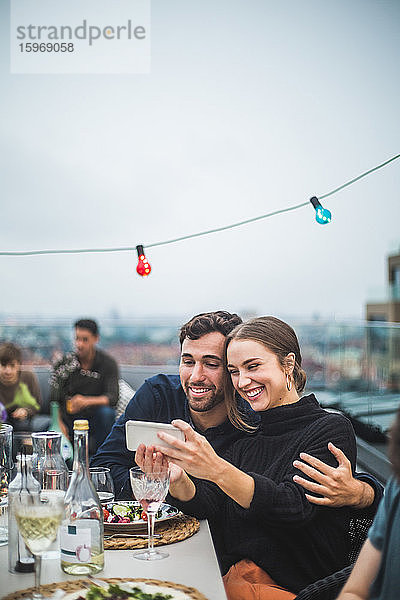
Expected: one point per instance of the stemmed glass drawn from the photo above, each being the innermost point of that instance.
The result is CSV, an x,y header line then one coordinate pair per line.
x,y
102,481
150,490
38,522
50,470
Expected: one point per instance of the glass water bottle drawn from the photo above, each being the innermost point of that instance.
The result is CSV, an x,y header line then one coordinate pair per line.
x,y
82,533
66,446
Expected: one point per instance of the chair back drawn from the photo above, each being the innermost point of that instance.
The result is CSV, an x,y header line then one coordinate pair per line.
x,y
329,587
358,531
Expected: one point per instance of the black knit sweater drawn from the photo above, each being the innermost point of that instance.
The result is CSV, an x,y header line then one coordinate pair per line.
x,y
294,541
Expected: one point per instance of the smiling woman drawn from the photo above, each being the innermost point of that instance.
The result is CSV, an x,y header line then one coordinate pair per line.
x,y
274,542
261,379
264,365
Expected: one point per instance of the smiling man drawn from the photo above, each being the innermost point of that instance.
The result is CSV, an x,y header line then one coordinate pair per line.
x,y
195,395
200,373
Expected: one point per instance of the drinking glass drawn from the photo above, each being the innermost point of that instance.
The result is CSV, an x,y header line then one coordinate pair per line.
x,y
50,470
6,465
53,486
150,490
22,443
102,481
47,458
38,522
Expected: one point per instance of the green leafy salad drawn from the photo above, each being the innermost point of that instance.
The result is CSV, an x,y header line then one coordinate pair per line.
x,y
125,513
114,592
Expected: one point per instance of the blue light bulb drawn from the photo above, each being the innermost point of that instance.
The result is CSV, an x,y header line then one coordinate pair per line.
x,y
323,215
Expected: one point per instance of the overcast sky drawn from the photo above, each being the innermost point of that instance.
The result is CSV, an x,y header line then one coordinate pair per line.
x,y
250,106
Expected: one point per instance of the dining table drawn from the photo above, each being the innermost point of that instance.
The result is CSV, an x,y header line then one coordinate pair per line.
x,y
191,562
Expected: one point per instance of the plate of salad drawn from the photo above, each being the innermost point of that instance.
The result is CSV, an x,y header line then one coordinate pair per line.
x,y
137,589
128,516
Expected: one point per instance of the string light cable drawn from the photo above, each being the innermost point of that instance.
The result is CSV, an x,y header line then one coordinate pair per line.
x,y
208,231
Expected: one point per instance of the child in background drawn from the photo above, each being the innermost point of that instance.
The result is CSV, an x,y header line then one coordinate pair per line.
x,y
19,390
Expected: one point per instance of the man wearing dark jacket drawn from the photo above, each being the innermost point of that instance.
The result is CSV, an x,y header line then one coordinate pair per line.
x,y
85,384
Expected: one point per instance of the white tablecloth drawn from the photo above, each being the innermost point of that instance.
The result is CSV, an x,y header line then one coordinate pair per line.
x,y
191,562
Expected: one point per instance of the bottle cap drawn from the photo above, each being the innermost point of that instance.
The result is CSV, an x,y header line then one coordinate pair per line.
x,y
81,425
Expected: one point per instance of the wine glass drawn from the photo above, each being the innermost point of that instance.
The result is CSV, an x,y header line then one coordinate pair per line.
x,y
102,481
38,522
53,484
50,470
150,490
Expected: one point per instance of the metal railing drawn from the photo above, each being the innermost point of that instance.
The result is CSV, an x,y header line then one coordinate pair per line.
x,y
353,366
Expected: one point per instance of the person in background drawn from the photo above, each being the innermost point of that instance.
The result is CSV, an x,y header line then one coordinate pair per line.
x,y
196,396
19,390
85,384
376,573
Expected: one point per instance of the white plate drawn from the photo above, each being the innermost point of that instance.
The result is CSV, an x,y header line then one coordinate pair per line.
x,y
168,512
150,588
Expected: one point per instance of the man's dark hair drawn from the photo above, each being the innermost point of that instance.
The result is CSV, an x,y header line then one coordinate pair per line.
x,y
220,320
88,324
394,446
8,353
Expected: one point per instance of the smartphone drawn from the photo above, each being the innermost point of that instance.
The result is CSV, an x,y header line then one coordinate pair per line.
x,y
143,432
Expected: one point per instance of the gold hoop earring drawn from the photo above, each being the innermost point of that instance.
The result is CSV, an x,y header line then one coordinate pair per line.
x,y
289,383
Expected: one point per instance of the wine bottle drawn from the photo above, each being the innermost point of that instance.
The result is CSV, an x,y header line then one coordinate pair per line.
x,y
20,559
66,446
82,532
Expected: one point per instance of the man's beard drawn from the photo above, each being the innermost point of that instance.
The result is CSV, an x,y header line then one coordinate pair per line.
x,y
204,405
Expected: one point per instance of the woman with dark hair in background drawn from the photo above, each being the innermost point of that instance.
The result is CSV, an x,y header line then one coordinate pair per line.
x,y
275,542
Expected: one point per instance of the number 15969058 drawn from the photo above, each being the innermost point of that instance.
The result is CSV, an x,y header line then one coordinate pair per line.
x,y
46,47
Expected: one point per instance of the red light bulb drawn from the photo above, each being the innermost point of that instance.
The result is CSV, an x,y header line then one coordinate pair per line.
x,y
143,267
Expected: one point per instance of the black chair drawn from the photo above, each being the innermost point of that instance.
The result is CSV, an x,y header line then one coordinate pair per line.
x,y
330,587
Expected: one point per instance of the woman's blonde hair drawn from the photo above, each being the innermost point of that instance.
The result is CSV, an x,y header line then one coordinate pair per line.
x,y
278,337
